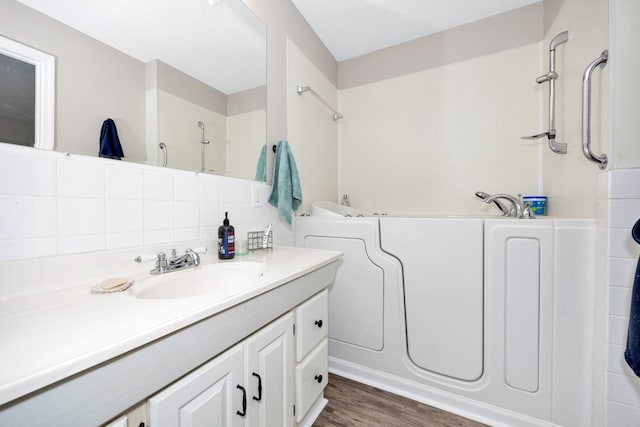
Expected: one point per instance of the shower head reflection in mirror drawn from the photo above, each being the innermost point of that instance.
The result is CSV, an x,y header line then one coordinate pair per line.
x,y
202,143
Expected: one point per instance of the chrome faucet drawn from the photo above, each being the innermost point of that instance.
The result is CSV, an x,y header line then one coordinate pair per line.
x,y
345,200
189,259
484,196
519,210
175,263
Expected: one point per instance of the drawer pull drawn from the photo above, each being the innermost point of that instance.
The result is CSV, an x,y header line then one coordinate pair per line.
x,y
318,378
244,402
318,323
259,398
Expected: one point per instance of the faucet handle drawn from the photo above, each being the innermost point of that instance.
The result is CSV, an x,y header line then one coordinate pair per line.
x,y
145,258
527,213
161,262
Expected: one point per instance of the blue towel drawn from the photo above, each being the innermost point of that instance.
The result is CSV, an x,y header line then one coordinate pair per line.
x,y
261,170
287,193
109,142
632,352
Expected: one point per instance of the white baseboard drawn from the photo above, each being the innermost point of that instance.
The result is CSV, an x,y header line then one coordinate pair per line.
x,y
314,412
450,402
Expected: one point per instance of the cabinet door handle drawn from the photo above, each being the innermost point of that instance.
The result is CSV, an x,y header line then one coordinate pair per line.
x,y
318,323
318,378
244,402
259,398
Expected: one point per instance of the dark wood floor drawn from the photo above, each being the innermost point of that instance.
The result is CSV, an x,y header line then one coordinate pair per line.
x,y
352,404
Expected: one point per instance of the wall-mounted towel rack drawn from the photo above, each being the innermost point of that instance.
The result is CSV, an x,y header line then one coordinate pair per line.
x,y
551,76
302,89
601,159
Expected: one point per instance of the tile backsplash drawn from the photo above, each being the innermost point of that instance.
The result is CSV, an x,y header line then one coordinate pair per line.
x,y
55,204
616,389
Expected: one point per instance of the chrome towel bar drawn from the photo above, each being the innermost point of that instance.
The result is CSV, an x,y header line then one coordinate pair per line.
x,y
302,89
601,160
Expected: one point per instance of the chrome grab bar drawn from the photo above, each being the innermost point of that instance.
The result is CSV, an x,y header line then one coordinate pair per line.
x,y
601,159
551,76
163,148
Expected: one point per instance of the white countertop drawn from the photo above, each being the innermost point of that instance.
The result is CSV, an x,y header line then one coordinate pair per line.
x,y
52,333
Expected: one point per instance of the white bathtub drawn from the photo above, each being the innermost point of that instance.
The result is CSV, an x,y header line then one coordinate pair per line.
x,y
485,317
331,209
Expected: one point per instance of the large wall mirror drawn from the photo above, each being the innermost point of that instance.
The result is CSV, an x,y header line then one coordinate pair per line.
x,y
196,100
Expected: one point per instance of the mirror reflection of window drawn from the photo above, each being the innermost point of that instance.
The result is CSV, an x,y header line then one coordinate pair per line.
x,y
27,95
17,101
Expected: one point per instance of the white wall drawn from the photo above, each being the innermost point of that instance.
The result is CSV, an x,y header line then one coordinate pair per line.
x,y
427,141
311,130
570,179
246,138
626,91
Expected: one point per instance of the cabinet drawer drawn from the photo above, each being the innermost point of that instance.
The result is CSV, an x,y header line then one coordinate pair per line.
x,y
311,324
312,377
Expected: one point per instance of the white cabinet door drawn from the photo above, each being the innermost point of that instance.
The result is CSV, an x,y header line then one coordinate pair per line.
x,y
269,379
250,384
210,396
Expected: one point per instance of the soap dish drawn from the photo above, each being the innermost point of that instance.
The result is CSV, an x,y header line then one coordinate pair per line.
x,y
114,284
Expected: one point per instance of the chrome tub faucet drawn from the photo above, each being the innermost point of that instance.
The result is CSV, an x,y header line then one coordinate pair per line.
x,y
519,209
484,196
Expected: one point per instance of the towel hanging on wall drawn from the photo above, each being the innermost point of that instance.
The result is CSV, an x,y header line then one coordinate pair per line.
x,y
287,192
109,142
261,169
632,352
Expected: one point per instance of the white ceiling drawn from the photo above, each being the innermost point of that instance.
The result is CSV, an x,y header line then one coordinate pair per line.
x,y
350,28
222,44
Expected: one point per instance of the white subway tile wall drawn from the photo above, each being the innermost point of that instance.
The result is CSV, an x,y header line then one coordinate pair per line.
x,y
616,388
54,204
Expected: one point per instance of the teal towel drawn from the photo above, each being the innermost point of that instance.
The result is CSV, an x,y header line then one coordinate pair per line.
x,y
261,170
287,193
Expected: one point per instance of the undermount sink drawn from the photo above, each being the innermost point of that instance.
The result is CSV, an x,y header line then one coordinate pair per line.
x,y
222,279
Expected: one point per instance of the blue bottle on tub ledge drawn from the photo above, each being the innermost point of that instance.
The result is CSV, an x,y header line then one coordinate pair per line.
x,y
226,239
538,204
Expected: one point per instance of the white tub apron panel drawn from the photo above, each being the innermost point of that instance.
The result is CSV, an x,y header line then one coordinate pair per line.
x,y
443,280
522,313
519,314
356,297
535,322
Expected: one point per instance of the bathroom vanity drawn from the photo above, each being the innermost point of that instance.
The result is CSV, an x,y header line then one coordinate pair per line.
x,y
251,355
